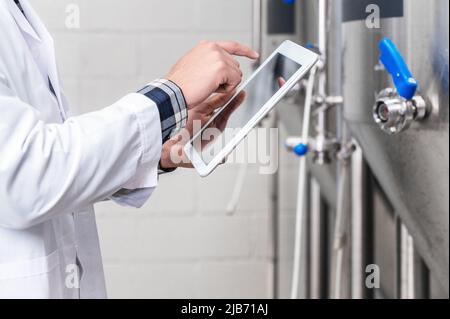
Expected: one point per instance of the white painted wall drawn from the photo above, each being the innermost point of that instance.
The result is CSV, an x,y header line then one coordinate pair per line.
x,y
182,244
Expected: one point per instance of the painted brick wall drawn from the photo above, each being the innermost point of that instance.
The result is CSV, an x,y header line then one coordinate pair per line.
x,y
182,244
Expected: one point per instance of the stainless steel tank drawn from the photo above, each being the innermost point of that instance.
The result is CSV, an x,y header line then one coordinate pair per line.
x,y
411,167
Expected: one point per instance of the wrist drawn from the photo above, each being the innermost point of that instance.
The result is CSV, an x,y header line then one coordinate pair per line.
x,y
184,86
165,161
173,156
171,104
181,89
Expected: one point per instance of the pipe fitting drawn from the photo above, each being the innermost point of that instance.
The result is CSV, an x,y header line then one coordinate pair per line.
x,y
394,114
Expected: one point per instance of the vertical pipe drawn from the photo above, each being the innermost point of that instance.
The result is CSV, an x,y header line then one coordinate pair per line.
x,y
275,219
318,244
421,278
357,228
361,226
398,257
257,43
413,281
301,193
322,28
341,238
307,245
404,290
332,40
257,28
322,45
406,264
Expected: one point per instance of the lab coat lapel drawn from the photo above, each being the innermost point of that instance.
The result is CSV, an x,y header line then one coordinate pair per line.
x,y
22,22
47,40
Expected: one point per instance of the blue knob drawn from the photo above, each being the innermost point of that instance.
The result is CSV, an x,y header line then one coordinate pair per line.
x,y
289,1
301,149
394,63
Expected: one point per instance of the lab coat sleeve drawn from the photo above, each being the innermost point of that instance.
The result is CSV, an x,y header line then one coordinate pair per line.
x,y
173,115
50,169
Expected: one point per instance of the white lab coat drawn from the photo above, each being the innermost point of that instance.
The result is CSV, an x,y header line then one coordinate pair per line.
x,y
53,167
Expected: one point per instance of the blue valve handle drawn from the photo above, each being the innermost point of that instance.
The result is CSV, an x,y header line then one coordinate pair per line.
x,y
289,1
394,63
301,149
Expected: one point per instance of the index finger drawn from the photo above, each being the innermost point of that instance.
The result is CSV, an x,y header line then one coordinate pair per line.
x,y
236,48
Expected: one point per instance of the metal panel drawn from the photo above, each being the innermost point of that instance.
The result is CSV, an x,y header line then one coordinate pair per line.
x,y
358,10
412,167
281,17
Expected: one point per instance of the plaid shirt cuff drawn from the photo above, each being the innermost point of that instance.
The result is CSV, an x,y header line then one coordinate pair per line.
x,y
171,104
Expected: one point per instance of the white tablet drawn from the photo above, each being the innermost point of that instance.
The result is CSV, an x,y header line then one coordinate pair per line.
x,y
290,62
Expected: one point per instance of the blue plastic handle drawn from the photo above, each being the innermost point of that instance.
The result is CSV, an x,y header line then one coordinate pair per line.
x,y
301,149
394,63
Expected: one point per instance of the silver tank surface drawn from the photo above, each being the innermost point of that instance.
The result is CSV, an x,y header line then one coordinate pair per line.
x,y
413,166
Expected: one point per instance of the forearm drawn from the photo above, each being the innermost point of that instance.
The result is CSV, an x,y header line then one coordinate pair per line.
x,y
48,169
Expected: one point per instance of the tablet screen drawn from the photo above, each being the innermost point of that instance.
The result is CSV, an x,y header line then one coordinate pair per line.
x,y
233,118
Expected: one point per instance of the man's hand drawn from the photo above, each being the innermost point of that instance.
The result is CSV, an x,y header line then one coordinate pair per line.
x,y
209,68
173,150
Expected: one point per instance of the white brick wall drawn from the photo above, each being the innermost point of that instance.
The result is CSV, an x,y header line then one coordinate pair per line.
x,y
182,244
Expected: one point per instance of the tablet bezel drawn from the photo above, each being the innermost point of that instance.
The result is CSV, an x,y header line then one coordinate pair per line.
x,y
291,50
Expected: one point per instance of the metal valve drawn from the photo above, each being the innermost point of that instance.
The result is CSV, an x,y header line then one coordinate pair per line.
x,y
394,113
395,109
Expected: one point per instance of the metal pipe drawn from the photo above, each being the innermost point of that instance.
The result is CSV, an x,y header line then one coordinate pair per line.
x,y
326,177
421,277
257,28
331,43
357,225
361,225
322,45
257,43
406,264
237,189
301,194
340,242
322,33
404,288
318,243
413,273
398,259
275,218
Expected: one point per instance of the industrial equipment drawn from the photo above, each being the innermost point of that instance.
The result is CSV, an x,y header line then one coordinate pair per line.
x,y
376,200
